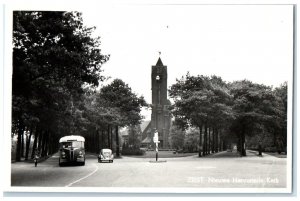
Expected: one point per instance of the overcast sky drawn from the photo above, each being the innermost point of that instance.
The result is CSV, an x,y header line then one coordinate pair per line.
x,y
232,41
235,42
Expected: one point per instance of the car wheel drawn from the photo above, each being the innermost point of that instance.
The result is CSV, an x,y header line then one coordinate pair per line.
x,y
112,161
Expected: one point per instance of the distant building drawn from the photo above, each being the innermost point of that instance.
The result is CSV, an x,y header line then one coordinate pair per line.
x,y
160,117
146,134
125,132
124,135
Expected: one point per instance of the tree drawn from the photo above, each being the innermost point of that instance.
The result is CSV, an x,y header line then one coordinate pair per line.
x,y
218,109
278,125
54,55
191,142
125,106
254,107
134,136
177,136
201,102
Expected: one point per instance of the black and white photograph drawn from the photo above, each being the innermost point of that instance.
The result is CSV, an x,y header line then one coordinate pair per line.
x,y
148,97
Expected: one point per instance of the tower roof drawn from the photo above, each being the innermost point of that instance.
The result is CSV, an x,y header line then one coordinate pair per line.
x,y
159,62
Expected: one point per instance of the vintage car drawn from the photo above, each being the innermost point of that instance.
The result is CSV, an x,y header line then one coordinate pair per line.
x,y
106,155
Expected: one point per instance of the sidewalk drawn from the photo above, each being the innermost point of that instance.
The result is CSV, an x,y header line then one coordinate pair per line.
x,y
223,154
277,155
249,154
29,160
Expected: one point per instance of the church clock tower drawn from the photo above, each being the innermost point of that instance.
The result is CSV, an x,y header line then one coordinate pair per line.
x,y
160,117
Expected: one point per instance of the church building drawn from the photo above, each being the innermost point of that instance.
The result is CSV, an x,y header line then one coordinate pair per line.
x,y
160,117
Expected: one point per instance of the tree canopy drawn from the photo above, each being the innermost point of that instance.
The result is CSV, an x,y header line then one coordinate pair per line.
x,y
228,110
54,55
126,104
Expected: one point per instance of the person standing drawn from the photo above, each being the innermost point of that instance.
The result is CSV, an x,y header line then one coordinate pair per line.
x,y
36,157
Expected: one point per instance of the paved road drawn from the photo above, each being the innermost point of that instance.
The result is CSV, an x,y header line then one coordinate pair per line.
x,y
224,169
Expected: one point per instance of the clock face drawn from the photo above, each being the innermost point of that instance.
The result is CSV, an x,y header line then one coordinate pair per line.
x,y
157,77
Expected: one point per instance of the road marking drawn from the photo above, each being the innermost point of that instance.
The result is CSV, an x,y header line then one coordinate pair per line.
x,y
78,180
205,167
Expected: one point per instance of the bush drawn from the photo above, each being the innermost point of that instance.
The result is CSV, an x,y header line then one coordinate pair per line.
x,y
270,149
132,151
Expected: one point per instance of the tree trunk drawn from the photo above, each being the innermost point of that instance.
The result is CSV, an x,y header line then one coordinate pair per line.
x,y
111,138
284,137
50,143
28,143
238,146
22,143
96,141
94,136
209,144
243,150
217,141
43,147
55,144
117,142
200,141
41,135
108,137
34,146
19,142
99,140
205,141
274,139
213,140
102,139
220,143
46,144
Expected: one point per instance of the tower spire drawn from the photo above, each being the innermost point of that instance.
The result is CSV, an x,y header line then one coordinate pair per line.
x,y
159,62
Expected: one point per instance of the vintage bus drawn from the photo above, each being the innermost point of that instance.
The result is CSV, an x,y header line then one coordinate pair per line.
x,y
71,149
